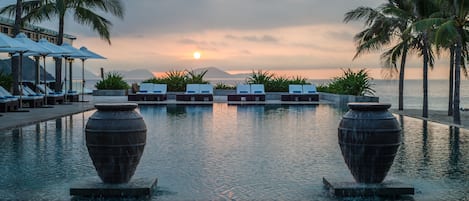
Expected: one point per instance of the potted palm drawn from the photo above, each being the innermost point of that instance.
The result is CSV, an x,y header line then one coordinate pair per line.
x,y
113,84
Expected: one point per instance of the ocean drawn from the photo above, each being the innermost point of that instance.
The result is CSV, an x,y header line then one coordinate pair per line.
x,y
386,90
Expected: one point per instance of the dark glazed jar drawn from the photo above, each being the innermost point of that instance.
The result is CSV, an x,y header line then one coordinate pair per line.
x,y
115,138
369,137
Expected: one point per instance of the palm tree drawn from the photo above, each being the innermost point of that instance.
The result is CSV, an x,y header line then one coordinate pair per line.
x,y
451,29
83,11
17,12
385,24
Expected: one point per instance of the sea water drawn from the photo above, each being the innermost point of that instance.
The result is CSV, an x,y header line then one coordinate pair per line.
x,y
224,152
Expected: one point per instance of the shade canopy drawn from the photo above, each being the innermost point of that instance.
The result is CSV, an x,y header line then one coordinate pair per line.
x,y
90,54
10,45
55,50
34,48
72,52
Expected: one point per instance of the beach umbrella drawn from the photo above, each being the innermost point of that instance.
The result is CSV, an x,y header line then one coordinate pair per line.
x,y
34,50
12,46
72,54
90,55
54,51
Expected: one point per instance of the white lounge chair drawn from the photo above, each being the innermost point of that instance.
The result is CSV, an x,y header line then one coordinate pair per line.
x,y
295,89
8,102
245,92
196,92
52,96
150,92
257,89
243,89
206,88
192,89
309,89
145,88
160,88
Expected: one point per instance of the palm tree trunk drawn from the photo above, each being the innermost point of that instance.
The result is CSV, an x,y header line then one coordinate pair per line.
x,y
451,81
425,75
58,61
15,60
401,79
457,80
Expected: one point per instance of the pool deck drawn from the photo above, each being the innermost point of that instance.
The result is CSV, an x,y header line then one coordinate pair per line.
x,y
438,116
18,119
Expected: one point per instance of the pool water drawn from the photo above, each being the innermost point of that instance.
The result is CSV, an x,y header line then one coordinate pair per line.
x,y
224,152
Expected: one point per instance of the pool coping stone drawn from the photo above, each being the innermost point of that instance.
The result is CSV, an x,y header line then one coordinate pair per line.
x,y
137,187
392,188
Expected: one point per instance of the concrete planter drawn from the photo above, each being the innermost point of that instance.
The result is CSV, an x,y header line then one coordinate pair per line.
x,y
110,92
343,100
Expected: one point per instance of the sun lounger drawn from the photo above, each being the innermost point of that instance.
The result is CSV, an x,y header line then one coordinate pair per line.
x,y
196,92
150,92
8,104
72,96
31,98
244,92
301,93
52,97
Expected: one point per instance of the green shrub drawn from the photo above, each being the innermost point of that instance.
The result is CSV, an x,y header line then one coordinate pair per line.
x,y
350,83
177,80
196,78
224,86
112,80
6,80
273,83
260,77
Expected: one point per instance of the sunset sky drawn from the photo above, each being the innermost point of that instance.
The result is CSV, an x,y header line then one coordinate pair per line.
x,y
294,37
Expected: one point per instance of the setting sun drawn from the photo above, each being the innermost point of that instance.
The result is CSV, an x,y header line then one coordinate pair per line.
x,y
196,55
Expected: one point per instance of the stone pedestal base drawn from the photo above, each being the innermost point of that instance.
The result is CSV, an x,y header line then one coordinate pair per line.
x,y
387,188
139,187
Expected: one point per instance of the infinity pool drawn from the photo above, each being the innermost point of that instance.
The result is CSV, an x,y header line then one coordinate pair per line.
x,y
224,152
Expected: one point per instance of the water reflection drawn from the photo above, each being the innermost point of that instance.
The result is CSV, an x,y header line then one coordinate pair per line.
x,y
232,152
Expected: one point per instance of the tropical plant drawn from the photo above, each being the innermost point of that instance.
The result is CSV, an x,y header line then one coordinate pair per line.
x,y
112,80
155,80
386,24
451,24
176,80
259,77
350,83
6,80
221,85
196,77
84,12
272,82
399,16
277,83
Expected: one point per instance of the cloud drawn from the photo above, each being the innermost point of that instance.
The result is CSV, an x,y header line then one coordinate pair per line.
x,y
251,38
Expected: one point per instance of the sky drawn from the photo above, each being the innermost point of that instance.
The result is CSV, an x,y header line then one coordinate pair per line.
x,y
294,37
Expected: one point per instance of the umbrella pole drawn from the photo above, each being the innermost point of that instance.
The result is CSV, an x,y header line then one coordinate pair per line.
x,y
20,66
83,80
65,79
45,80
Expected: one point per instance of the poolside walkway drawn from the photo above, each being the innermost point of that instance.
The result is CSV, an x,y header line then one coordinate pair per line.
x,y
34,115
18,119
437,116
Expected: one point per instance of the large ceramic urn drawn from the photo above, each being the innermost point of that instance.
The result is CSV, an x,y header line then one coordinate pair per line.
x,y
115,138
369,137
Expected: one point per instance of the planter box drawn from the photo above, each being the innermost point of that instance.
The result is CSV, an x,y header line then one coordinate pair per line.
x,y
342,100
110,92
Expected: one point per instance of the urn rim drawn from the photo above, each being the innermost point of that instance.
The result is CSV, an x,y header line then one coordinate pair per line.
x,y
115,106
369,106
